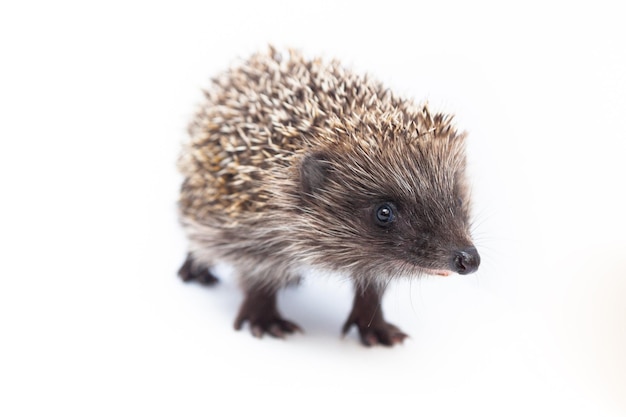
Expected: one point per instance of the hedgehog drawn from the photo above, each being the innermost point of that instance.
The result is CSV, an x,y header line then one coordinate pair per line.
x,y
297,164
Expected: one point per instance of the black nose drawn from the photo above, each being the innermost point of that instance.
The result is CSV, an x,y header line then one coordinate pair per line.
x,y
466,261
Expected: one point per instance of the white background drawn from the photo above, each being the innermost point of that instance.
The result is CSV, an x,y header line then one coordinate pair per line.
x,y
94,102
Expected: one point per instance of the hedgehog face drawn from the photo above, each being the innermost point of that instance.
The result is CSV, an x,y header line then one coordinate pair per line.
x,y
412,232
402,207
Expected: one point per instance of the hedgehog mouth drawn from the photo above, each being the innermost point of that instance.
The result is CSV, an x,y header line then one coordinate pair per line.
x,y
439,272
419,269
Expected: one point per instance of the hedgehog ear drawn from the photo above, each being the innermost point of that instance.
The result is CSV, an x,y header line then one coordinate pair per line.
x,y
314,170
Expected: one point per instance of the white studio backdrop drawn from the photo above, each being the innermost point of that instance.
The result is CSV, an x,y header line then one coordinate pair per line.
x,y
93,320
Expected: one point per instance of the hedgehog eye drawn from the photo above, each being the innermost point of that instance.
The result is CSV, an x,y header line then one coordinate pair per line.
x,y
385,214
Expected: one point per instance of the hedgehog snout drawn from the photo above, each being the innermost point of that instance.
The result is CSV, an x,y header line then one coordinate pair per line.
x,y
465,261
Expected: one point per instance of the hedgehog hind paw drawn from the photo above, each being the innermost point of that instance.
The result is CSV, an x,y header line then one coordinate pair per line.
x,y
191,271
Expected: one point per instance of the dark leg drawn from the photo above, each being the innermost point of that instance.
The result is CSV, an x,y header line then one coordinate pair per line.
x,y
259,310
367,315
191,271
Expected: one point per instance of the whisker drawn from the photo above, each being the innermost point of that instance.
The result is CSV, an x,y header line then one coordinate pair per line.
x,y
379,303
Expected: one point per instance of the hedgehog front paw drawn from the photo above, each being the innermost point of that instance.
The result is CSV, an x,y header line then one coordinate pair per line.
x,y
367,316
375,331
274,326
262,316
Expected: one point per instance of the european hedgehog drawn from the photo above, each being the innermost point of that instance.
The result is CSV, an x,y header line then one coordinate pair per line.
x,y
296,164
